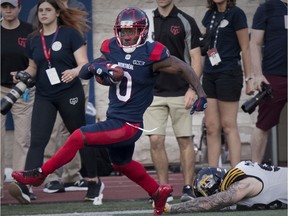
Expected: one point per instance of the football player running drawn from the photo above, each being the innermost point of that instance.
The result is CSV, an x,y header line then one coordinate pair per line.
x,y
128,99
249,185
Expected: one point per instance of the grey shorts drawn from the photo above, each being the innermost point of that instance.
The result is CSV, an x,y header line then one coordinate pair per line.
x,y
156,116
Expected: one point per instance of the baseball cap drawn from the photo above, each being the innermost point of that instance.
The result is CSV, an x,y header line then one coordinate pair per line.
x,y
15,3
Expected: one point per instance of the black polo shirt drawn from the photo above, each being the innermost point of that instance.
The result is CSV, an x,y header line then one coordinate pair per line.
x,y
13,43
179,33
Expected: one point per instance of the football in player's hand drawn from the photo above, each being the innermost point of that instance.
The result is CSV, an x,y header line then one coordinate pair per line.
x,y
109,74
116,71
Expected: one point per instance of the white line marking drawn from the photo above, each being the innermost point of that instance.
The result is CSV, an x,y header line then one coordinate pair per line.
x,y
135,212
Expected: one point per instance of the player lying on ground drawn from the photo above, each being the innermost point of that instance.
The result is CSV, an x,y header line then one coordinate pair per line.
x,y
257,186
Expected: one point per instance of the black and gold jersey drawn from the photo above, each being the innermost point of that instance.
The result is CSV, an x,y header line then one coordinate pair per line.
x,y
233,175
274,180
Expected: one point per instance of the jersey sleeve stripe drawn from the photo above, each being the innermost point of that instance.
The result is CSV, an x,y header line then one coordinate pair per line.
x,y
156,52
232,176
105,46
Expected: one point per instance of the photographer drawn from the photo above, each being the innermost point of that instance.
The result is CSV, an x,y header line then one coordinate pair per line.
x,y
268,19
14,33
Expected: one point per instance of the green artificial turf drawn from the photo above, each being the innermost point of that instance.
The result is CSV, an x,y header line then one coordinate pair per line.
x,y
76,208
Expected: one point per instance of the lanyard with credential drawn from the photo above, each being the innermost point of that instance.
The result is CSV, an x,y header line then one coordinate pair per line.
x,y
216,25
47,54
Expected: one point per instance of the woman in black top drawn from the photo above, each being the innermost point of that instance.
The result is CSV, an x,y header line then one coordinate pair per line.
x,y
57,51
223,76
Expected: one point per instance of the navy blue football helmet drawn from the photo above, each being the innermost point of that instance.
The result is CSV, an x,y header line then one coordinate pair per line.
x,y
208,181
131,28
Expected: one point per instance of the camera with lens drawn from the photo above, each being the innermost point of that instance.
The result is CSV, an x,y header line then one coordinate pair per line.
x,y
26,78
250,105
25,81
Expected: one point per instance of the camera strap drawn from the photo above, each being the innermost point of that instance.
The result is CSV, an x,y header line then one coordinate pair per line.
x,y
47,53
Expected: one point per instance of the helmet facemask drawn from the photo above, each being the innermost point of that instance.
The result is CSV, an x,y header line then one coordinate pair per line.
x,y
208,186
131,29
208,181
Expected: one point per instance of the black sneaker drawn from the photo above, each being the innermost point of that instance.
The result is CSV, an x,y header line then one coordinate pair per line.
x,y
169,199
80,185
54,187
20,192
94,192
32,196
187,193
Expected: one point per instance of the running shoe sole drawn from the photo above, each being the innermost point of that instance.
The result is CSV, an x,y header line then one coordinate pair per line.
x,y
75,188
46,190
80,185
16,192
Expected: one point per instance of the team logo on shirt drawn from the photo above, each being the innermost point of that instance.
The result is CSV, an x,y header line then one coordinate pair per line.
x,y
73,101
56,46
128,56
175,30
22,41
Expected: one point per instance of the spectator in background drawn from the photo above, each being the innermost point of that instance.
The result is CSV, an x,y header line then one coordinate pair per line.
x,y
172,95
57,51
269,63
223,76
129,97
69,178
32,17
13,41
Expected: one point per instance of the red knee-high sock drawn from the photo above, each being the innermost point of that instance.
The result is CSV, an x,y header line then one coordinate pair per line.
x,y
65,154
137,173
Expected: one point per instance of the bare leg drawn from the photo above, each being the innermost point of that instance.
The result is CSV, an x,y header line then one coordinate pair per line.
x,y
258,144
187,157
212,122
228,113
159,157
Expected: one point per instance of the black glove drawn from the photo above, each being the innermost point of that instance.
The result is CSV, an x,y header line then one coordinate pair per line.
x,y
89,70
103,74
85,73
26,78
199,105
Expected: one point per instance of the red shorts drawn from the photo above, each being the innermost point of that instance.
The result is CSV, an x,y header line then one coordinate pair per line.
x,y
270,109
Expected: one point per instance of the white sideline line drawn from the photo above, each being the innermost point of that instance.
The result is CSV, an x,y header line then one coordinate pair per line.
x,y
135,212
